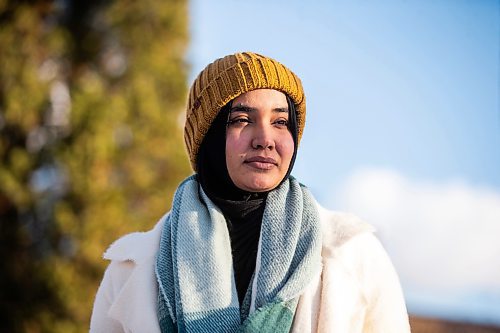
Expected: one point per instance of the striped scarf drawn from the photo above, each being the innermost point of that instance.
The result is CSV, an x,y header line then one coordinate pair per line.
x,y
197,291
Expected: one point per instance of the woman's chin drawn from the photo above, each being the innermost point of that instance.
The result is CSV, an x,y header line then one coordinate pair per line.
x,y
258,184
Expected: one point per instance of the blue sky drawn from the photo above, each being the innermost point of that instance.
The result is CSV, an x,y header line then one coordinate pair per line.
x,y
408,88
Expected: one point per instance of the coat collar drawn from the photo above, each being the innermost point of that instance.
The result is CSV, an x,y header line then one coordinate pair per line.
x,y
338,228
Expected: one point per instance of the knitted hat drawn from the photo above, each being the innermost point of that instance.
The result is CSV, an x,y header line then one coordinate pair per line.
x,y
227,78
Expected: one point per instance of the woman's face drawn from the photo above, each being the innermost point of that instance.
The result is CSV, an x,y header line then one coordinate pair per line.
x,y
259,146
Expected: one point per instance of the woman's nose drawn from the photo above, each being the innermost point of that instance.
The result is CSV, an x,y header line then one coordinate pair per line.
x,y
262,138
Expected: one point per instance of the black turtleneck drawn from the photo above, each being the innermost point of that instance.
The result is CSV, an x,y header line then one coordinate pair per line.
x,y
244,221
243,210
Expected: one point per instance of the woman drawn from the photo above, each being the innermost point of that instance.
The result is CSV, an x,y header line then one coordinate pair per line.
x,y
246,248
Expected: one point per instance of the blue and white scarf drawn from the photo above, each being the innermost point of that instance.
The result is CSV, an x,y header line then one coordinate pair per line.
x,y
197,291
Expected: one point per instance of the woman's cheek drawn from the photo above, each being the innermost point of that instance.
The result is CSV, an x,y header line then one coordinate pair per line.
x,y
235,143
286,147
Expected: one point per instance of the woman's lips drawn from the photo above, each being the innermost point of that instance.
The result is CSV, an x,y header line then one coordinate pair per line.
x,y
261,162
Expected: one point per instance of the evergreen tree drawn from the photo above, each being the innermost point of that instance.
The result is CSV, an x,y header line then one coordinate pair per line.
x,y
91,94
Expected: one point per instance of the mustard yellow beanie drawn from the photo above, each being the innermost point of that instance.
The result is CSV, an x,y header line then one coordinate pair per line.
x,y
227,78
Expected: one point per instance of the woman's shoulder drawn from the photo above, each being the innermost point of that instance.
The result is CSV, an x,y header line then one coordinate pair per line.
x,y
340,228
136,246
129,276
350,241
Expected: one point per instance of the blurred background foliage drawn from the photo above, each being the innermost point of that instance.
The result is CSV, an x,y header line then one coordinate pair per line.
x,y
91,102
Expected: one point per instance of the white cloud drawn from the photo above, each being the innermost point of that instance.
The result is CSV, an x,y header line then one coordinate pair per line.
x,y
444,239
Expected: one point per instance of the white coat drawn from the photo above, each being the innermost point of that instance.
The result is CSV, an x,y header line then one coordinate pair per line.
x,y
357,290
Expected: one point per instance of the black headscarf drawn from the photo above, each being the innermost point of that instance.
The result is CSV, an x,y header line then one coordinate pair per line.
x,y
243,210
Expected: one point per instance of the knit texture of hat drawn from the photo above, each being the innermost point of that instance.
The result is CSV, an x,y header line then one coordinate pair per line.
x,y
227,78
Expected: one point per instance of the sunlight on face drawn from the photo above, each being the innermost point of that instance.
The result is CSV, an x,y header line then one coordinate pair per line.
x,y
259,146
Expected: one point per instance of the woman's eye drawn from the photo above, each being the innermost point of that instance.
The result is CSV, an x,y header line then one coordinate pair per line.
x,y
281,122
238,121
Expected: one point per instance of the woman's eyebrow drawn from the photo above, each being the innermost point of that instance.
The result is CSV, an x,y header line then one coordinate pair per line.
x,y
285,109
243,108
